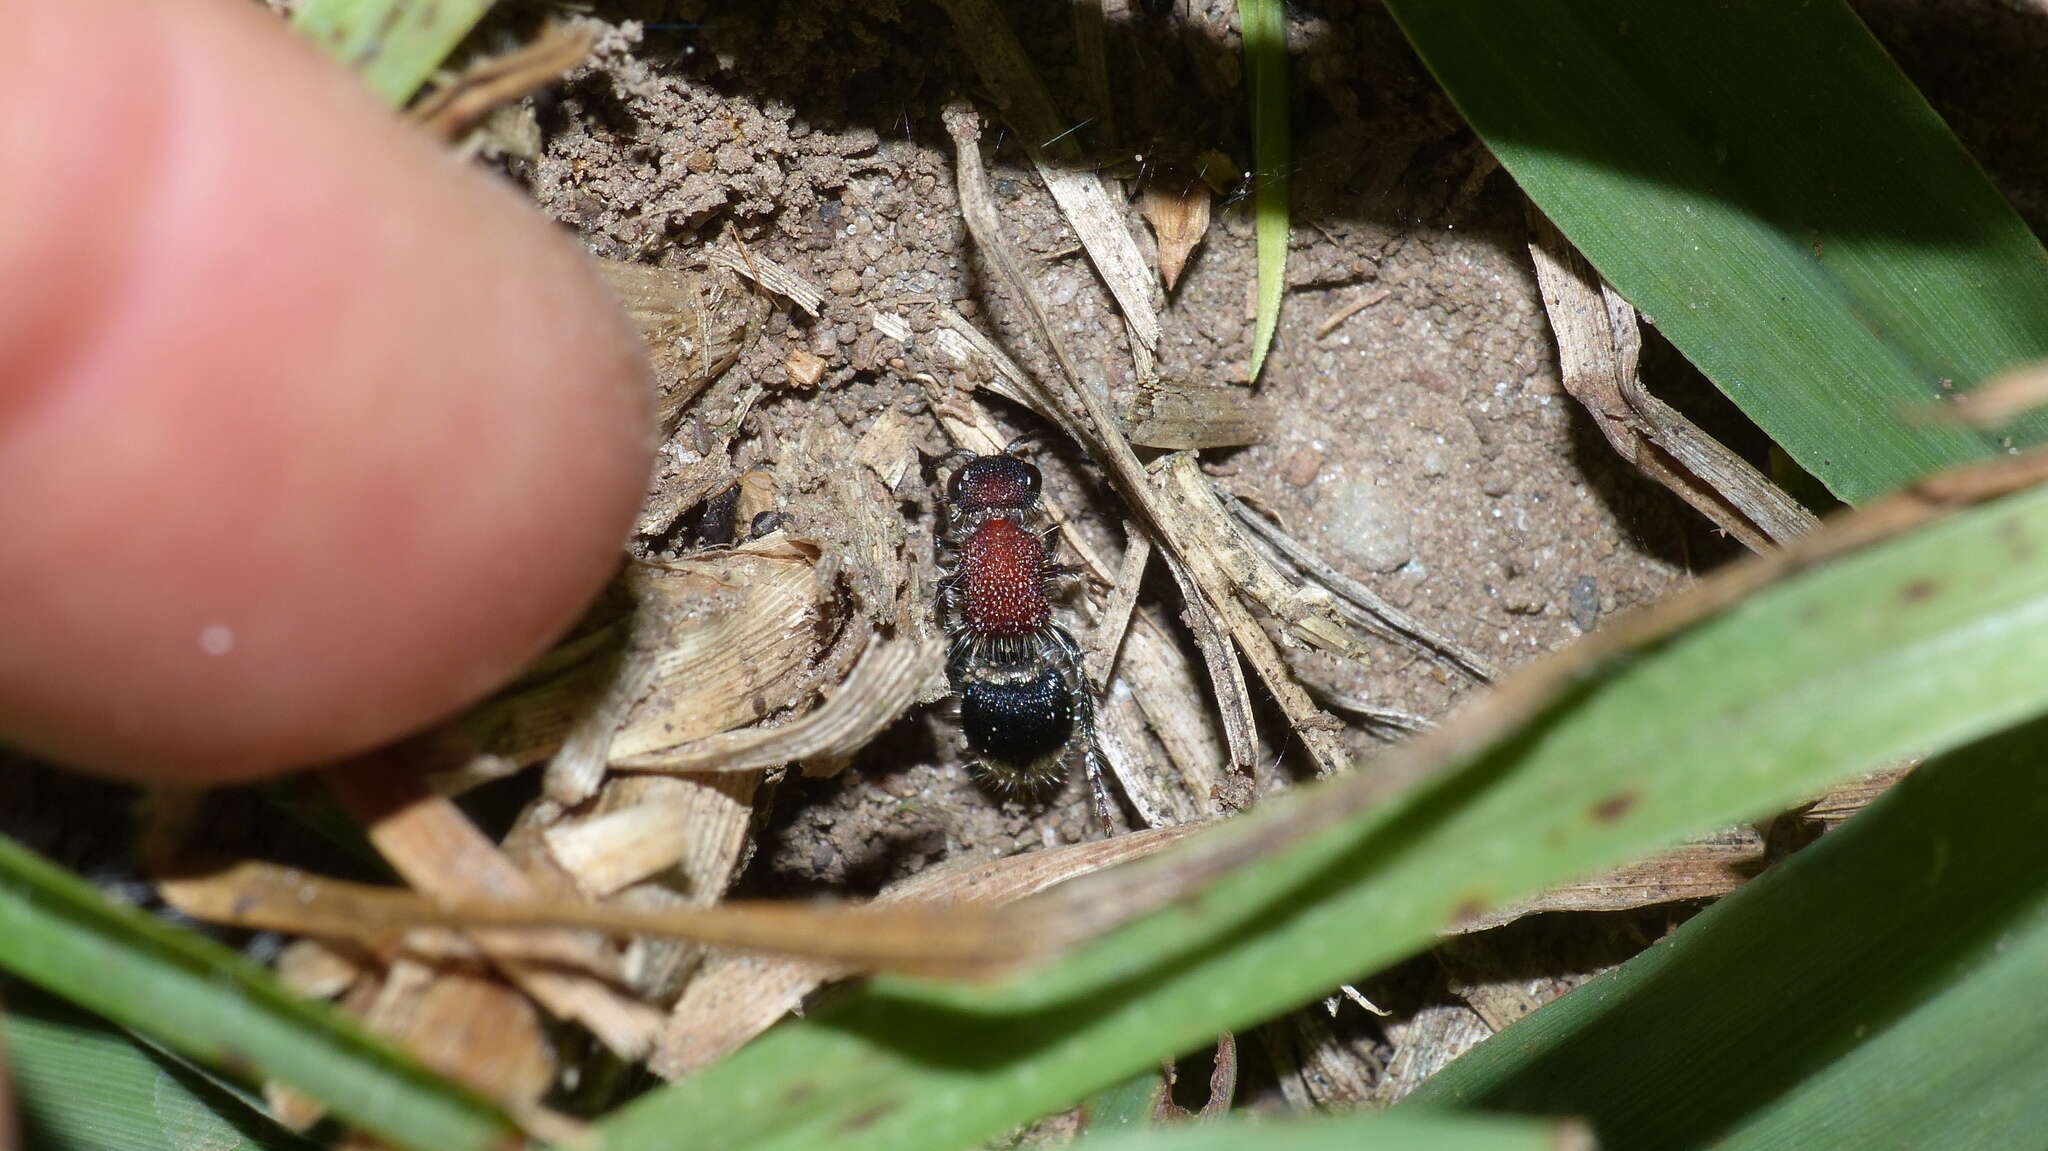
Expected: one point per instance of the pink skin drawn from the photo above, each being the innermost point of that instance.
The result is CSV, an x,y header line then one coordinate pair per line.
x,y
308,434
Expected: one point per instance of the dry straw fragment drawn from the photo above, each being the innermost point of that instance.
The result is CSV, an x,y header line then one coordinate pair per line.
x,y
1182,415
451,111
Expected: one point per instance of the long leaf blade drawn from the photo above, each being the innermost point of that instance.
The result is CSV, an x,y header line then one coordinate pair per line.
x,y
1760,179
80,1082
1925,642
211,1004
1879,990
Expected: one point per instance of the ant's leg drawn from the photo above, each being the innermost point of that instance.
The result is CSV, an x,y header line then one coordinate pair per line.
x,y
959,654
1065,654
1028,439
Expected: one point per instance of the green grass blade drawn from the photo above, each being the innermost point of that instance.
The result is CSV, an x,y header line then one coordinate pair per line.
x,y
1371,1132
1264,24
1759,178
202,1000
1920,644
80,1082
395,44
1127,1106
1882,989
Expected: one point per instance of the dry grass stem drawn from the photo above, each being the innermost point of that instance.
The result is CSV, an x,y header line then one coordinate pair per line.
x,y
1221,568
738,997
780,279
450,112
999,58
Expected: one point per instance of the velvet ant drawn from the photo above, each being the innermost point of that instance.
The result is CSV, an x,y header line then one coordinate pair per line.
x,y
1025,703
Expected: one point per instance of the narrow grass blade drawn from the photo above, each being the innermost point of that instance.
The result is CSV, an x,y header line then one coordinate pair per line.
x,y
1264,24
1919,644
1365,1132
205,1001
1128,1106
81,1082
1760,180
1881,989
395,44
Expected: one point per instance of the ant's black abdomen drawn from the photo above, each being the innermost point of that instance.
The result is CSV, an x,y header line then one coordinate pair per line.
x,y
1018,716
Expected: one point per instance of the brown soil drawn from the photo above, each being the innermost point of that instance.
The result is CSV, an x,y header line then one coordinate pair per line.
x,y
1423,444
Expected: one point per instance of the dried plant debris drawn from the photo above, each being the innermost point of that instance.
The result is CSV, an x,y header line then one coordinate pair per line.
x,y
999,57
704,645
1598,344
1360,604
1214,606
1180,414
454,109
738,997
1179,215
696,323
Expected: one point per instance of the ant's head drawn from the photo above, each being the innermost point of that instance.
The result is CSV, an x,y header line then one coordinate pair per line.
x,y
994,483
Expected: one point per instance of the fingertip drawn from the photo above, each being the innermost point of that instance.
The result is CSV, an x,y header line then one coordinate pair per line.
x,y
330,442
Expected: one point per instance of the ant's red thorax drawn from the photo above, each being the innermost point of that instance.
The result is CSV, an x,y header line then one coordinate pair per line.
x,y
1003,569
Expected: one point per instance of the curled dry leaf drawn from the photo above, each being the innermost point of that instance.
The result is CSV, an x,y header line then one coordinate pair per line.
x,y
883,685
710,643
730,636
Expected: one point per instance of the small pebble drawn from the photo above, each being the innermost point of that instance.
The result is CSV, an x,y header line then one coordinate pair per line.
x,y
805,369
1585,603
845,281
1365,523
1302,466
